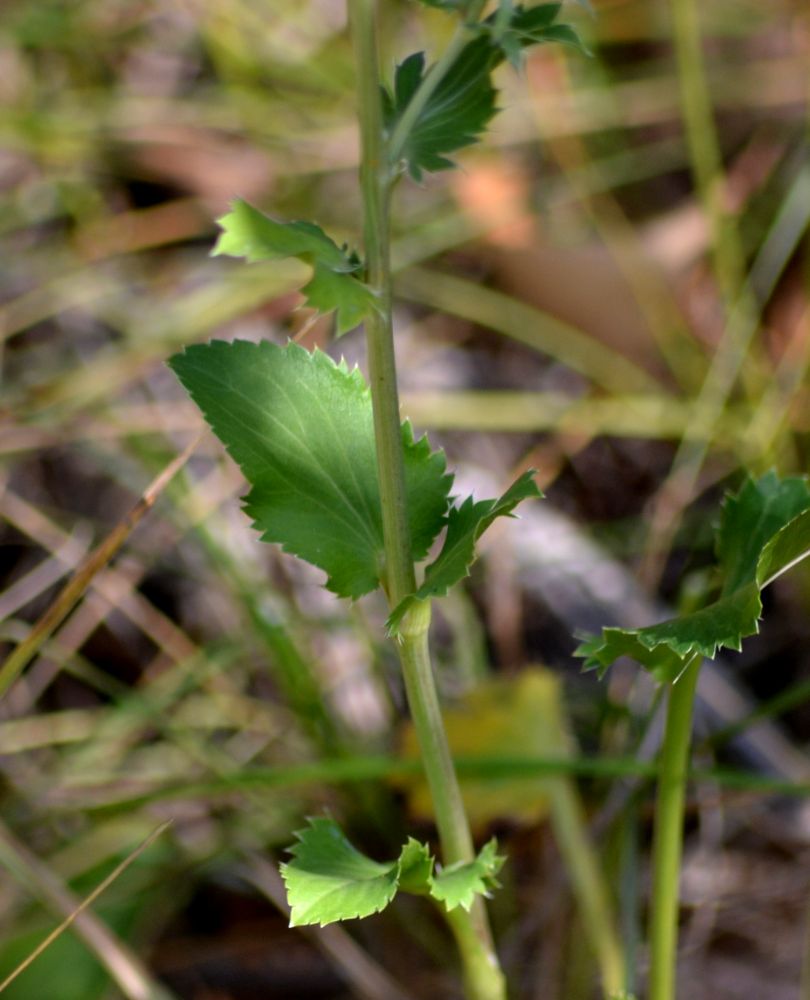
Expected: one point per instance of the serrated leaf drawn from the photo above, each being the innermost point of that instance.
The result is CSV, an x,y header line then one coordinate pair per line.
x,y
750,518
665,649
350,299
456,114
789,546
249,233
464,101
764,530
328,879
415,868
301,429
459,884
465,525
601,651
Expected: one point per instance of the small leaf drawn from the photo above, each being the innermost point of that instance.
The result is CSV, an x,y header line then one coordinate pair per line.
x,y
601,651
465,525
328,879
750,518
789,546
764,530
457,112
415,868
301,429
459,884
249,233
464,101
665,649
350,299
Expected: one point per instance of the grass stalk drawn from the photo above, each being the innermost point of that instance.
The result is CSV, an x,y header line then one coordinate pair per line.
x,y
482,975
570,833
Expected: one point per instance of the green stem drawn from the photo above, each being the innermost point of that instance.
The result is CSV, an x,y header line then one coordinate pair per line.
x,y
375,183
482,975
668,841
451,819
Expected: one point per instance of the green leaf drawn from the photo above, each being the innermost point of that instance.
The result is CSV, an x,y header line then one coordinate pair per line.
x,y
301,429
785,549
249,233
349,298
750,518
464,101
459,884
665,649
465,525
457,112
601,651
329,879
764,530
415,868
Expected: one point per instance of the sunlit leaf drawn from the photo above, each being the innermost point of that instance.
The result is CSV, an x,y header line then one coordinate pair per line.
x,y
301,429
334,286
329,880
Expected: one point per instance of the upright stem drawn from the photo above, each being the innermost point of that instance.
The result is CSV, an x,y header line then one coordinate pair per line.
x,y
668,842
375,183
482,975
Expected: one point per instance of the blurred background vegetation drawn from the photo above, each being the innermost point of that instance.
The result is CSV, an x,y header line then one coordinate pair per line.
x,y
614,290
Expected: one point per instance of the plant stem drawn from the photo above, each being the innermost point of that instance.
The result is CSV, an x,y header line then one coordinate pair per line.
x,y
451,820
482,975
668,841
375,183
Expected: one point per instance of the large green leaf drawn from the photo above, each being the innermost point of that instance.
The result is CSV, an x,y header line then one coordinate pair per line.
x,y
764,530
464,100
249,233
300,427
465,525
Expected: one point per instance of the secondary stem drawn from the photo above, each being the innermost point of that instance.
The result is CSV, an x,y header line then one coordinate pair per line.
x,y
482,976
668,842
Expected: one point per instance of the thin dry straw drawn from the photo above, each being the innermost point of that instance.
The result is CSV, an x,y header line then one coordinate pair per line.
x,y
73,590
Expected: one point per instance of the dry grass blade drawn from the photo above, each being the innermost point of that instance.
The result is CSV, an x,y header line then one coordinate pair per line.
x,y
72,592
124,967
